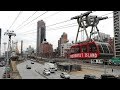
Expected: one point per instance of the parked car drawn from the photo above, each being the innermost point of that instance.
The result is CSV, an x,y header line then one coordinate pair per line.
x,y
89,77
8,69
118,76
46,72
108,76
32,62
28,67
65,75
6,74
55,68
1,65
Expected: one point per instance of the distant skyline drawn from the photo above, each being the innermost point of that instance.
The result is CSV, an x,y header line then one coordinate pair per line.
x,y
28,30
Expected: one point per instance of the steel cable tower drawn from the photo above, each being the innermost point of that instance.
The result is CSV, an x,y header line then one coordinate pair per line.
x,y
9,49
84,21
4,47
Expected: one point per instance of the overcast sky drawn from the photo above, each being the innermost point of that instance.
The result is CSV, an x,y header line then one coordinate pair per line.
x,y
27,33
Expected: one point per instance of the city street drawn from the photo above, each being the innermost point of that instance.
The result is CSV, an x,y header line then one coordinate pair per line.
x,y
36,72
28,73
1,71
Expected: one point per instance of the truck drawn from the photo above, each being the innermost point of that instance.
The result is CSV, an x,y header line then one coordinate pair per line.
x,y
50,66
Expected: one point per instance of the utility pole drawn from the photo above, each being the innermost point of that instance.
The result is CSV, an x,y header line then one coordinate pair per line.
x,y
21,48
9,33
17,51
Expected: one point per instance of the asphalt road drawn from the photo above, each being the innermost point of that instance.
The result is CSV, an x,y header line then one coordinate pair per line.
x,y
28,73
36,72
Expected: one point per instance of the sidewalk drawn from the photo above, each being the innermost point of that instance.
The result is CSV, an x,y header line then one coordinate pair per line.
x,y
15,73
84,71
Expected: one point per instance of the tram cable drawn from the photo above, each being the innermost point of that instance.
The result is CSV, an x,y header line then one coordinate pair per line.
x,y
33,20
27,19
15,19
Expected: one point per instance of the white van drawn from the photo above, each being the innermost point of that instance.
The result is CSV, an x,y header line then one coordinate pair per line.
x,y
50,66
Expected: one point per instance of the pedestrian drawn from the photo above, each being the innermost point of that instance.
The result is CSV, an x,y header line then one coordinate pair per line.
x,y
112,70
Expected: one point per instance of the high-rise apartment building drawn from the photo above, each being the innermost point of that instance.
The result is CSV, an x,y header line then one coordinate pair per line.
x,y
41,35
116,18
104,37
63,39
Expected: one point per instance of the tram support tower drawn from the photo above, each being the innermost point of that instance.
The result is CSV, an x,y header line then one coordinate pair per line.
x,y
84,21
9,49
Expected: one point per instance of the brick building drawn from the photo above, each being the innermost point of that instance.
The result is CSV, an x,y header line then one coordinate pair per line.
x,y
46,49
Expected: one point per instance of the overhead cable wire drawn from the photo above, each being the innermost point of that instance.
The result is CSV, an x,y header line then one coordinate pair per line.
x,y
51,28
33,19
48,17
15,19
52,15
27,19
58,23
62,21
107,14
64,25
60,28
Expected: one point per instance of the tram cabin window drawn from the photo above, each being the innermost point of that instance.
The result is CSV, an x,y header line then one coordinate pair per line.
x,y
84,48
100,48
72,50
77,50
92,48
105,48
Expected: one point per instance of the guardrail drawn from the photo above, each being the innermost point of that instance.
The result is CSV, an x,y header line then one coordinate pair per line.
x,y
41,74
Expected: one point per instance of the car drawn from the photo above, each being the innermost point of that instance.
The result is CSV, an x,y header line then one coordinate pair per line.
x,y
6,74
55,68
108,76
46,72
1,65
89,76
28,67
32,62
65,75
8,69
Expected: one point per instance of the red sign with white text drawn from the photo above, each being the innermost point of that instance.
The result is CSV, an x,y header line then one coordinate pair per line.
x,y
84,55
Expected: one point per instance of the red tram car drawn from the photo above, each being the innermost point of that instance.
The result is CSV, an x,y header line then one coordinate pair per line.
x,y
91,50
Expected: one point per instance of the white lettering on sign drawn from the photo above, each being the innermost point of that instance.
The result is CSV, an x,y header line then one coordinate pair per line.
x,y
84,55
91,55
